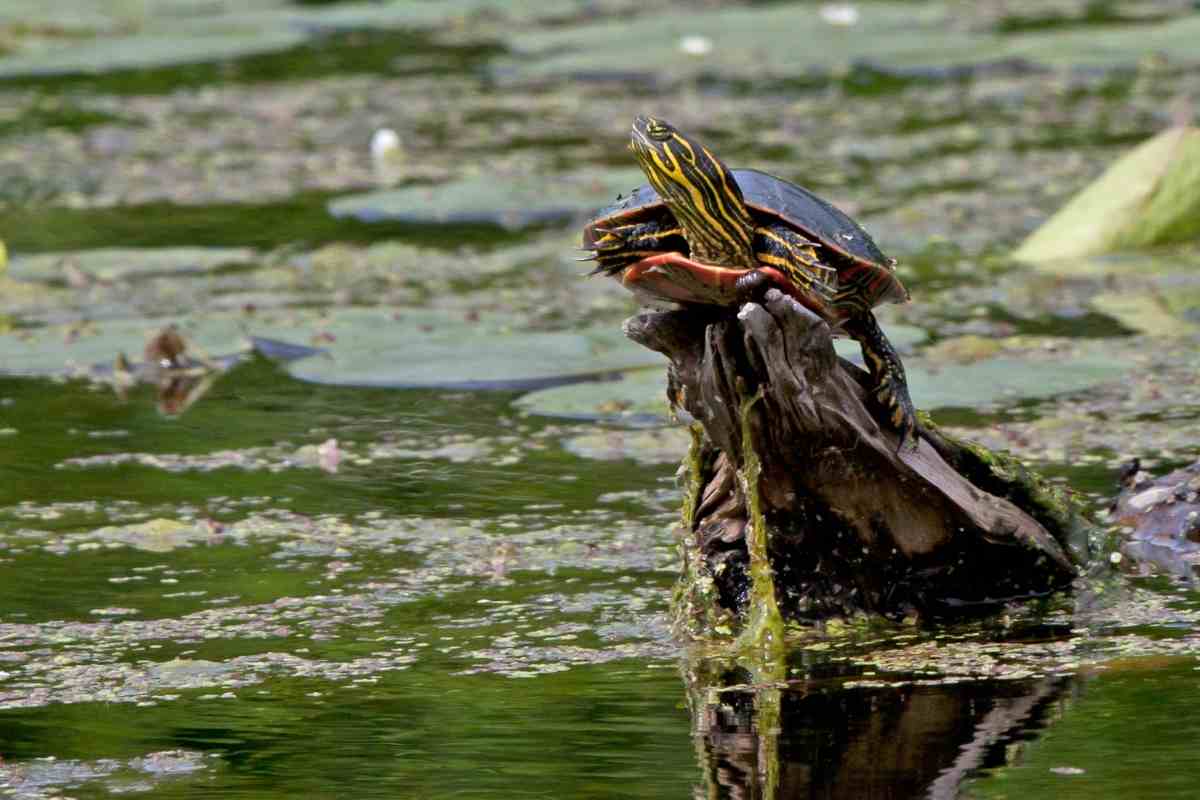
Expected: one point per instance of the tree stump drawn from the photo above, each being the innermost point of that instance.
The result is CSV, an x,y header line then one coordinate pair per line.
x,y
800,504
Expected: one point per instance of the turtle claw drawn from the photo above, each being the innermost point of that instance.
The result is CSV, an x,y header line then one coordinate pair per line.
x,y
752,286
902,417
910,436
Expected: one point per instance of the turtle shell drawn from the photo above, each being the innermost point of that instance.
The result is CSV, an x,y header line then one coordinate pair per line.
x,y
862,267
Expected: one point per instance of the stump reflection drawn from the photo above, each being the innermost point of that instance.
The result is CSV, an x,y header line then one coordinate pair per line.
x,y
821,740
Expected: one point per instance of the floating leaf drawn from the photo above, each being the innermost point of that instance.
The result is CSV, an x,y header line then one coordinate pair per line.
x,y
637,396
512,201
743,42
122,263
761,42
1149,197
1157,314
640,395
94,37
79,346
145,50
1004,379
433,348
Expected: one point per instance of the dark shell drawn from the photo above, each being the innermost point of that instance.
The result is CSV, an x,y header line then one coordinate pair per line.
x,y
773,197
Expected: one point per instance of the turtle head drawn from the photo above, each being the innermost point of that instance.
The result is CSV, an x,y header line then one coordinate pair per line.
x,y
700,191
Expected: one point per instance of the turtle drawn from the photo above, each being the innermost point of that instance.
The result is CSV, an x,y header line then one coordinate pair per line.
x,y
700,232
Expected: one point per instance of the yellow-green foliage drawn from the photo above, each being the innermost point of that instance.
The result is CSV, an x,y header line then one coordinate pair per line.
x,y
1149,197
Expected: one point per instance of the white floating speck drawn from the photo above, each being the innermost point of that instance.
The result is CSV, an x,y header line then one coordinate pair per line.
x,y
843,14
695,45
385,143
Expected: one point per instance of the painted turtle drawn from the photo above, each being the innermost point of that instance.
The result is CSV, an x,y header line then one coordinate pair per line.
x,y
702,233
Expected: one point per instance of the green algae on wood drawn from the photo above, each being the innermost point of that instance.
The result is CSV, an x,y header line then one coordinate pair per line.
x,y
763,631
1004,475
696,608
1149,197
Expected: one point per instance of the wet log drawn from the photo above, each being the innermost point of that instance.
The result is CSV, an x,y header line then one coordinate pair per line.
x,y
801,504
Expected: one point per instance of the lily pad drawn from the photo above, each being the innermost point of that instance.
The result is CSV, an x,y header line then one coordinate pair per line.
x,y
427,14
123,263
903,337
511,201
787,40
102,36
637,396
740,42
1155,313
1001,380
92,56
416,347
1149,197
1111,46
640,396
76,347
1158,262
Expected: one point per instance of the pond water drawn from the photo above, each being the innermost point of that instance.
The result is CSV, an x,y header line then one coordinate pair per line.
x,y
411,535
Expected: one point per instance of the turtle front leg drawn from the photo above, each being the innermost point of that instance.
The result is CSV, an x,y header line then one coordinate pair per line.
x,y
887,374
752,285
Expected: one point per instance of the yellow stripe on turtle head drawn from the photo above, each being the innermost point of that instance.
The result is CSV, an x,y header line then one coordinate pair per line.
x,y
700,191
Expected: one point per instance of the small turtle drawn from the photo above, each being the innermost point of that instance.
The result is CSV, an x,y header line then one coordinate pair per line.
x,y
702,233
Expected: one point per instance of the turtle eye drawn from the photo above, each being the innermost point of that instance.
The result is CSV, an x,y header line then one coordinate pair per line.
x,y
659,131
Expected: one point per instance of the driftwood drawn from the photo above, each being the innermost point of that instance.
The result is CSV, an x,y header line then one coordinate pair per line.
x,y
801,503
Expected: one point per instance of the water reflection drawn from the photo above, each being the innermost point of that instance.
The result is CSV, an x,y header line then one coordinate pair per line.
x,y
827,739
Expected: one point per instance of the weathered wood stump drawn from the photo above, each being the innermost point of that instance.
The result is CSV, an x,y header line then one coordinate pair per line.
x,y
800,503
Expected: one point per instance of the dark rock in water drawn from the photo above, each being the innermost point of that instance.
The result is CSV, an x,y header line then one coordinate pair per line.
x,y
1163,515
